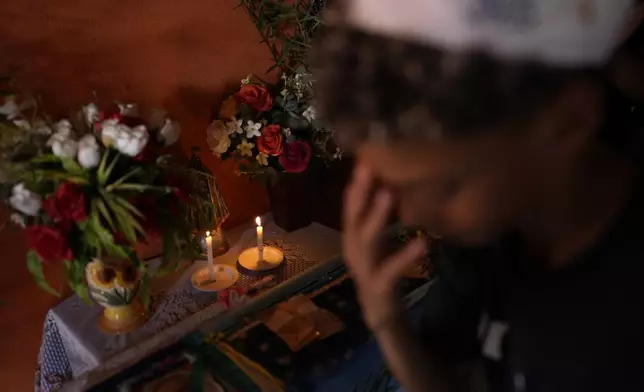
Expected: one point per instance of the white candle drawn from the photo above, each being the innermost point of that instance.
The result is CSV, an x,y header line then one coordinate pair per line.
x,y
211,268
260,239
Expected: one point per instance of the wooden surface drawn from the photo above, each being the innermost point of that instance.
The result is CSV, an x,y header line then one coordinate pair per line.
x,y
160,53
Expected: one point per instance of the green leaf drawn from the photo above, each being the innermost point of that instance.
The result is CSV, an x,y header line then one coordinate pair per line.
x,y
110,168
100,172
100,204
46,158
141,188
73,167
35,268
127,205
57,175
125,177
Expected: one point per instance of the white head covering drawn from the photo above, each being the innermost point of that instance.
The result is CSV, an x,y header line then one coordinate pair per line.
x,y
557,32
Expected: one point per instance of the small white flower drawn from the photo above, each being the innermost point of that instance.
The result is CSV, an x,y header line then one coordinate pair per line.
x,y
41,128
218,138
132,141
310,113
170,132
246,80
91,114
262,159
89,153
18,220
64,148
235,126
129,141
10,109
245,148
286,131
284,92
62,144
63,127
110,130
252,129
22,123
128,109
25,201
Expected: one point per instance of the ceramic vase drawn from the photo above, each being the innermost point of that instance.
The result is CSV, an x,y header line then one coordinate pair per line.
x,y
114,285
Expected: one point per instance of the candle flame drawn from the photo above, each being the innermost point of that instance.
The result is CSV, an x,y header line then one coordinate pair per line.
x,y
207,234
258,221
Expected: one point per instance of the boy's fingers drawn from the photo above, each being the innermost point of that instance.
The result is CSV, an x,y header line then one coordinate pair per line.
x,y
356,196
376,219
394,267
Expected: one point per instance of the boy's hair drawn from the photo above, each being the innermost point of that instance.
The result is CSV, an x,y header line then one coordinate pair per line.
x,y
410,90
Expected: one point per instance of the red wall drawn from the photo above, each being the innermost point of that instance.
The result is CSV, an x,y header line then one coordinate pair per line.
x,y
179,55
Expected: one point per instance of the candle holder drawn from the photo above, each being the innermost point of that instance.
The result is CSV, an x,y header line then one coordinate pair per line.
x,y
224,277
272,258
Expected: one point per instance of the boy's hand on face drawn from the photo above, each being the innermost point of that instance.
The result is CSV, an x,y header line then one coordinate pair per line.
x,y
375,278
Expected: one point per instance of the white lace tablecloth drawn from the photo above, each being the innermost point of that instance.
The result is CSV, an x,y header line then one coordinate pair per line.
x,y
75,354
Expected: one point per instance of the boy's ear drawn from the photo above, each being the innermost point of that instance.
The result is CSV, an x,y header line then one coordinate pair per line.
x,y
574,117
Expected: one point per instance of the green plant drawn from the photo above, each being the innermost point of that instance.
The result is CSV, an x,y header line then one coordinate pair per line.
x,y
288,28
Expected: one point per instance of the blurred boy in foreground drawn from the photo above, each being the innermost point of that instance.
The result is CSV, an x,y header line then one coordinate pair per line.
x,y
498,125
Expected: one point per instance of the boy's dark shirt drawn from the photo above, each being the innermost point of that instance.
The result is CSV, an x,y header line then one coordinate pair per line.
x,y
579,328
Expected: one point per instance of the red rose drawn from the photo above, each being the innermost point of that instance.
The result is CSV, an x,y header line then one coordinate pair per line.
x,y
67,204
296,156
271,140
257,97
49,243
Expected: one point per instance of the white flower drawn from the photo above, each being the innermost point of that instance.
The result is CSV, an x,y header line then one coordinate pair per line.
x,y
170,132
235,126
310,113
63,127
41,128
284,92
218,138
89,153
10,109
286,131
252,129
132,141
25,201
18,220
245,148
262,159
62,144
22,123
91,114
128,109
246,80
129,141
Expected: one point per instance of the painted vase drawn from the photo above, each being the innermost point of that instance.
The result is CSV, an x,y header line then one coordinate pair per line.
x,y
114,286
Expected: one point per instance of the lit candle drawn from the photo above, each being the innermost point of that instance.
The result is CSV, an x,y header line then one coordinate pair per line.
x,y
260,239
211,268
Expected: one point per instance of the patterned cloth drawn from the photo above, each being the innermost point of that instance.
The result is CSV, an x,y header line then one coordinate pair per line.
x,y
73,346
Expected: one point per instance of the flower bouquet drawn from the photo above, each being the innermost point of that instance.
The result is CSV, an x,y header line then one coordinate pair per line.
x,y
93,186
271,128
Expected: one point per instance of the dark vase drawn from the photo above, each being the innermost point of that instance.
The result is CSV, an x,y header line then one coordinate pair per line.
x,y
291,199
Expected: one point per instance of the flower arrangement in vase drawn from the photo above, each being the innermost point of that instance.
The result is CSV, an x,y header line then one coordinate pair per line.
x,y
92,187
272,132
271,128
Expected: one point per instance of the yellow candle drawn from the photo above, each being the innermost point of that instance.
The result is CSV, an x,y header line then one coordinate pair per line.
x,y
260,238
211,268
